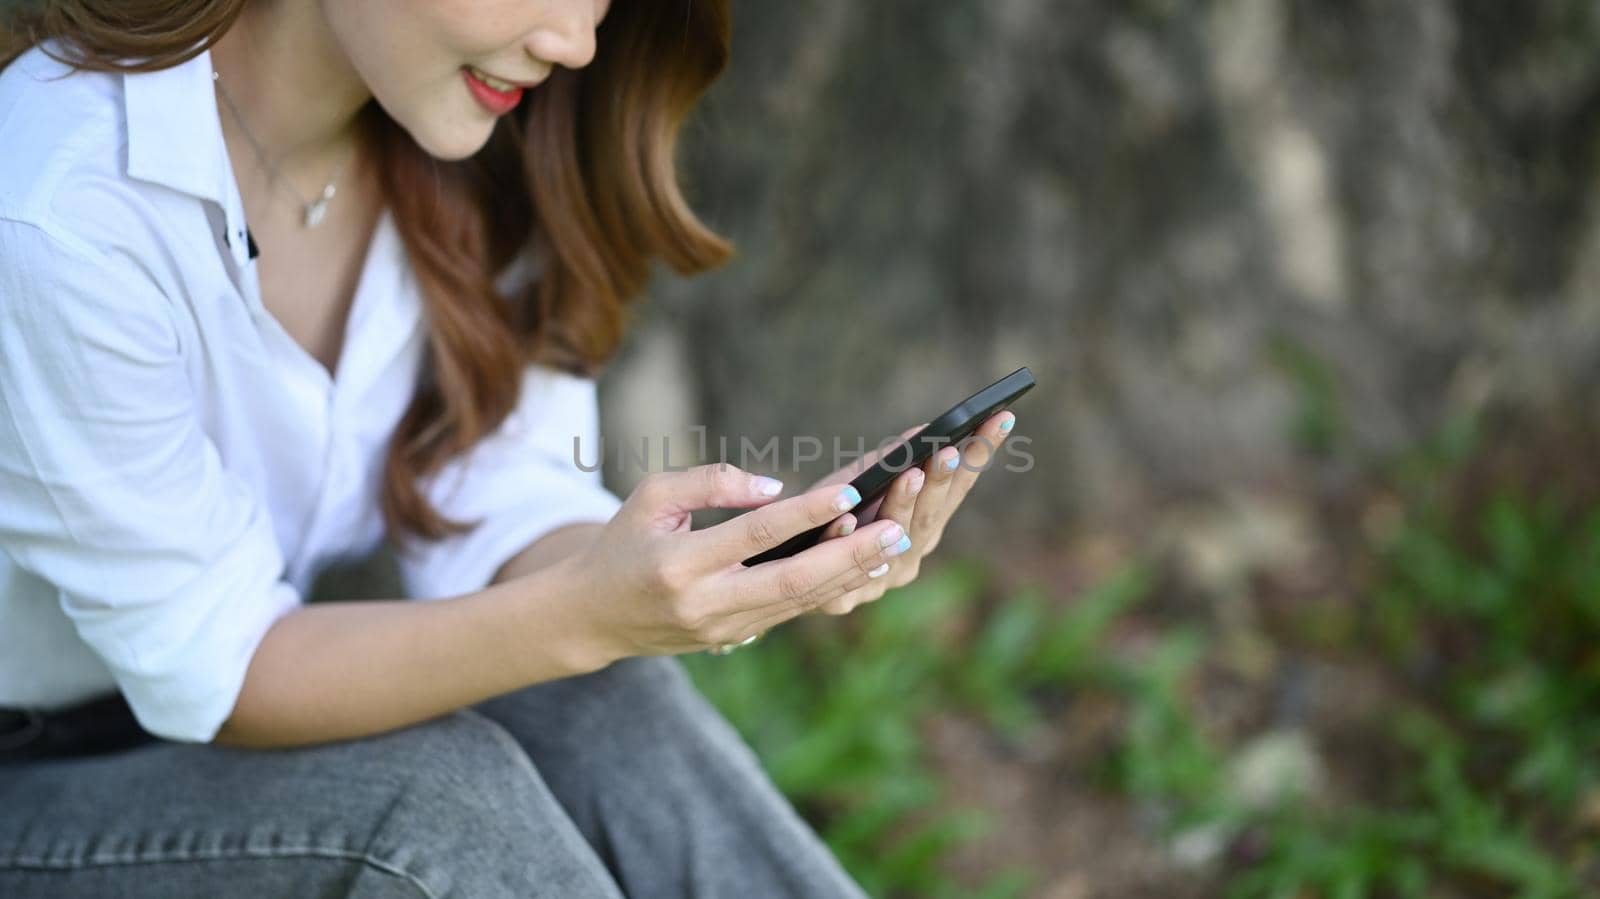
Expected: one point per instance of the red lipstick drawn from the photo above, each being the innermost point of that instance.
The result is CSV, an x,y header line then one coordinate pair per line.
x,y
496,102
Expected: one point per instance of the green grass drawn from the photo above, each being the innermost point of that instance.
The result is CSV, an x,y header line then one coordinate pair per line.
x,y
836,720
835,713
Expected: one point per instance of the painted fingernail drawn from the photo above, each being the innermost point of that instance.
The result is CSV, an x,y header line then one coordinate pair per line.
x,y
952,460
848,528
848,497
891,536
1005,426
880,571
914,486
898,548
767,486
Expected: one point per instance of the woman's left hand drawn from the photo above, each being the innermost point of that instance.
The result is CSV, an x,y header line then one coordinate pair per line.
x,y
921,499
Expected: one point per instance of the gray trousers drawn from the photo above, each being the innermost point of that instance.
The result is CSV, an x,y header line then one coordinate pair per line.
x,y
621,782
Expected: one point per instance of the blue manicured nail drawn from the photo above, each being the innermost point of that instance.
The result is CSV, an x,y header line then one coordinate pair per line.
x,y
1005,426
898,548
848,497
951,463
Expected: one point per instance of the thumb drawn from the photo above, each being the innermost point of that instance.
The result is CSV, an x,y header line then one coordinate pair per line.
x,y
717,485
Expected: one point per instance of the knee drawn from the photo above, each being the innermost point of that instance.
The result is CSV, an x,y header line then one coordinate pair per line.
x,y
462,758
474,817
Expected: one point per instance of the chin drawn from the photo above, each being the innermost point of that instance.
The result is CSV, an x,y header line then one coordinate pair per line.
x,y
455,142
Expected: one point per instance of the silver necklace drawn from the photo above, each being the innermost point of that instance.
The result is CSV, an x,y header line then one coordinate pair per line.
x,y
314,211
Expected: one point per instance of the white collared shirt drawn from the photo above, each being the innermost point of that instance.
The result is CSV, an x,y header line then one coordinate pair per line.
x,y
174,468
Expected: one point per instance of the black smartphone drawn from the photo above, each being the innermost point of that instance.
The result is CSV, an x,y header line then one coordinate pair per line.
x,y
948,429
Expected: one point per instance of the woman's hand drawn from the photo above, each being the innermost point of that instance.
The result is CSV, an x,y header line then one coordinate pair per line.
x,y
656,587
921,500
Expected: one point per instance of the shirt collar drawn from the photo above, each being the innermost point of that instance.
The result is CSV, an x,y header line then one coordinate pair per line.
x,y
175,139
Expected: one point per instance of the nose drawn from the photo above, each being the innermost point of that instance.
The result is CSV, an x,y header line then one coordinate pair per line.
x,y
567,37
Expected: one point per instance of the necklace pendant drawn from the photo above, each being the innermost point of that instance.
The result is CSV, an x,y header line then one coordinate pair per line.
x,y
316,211
318,208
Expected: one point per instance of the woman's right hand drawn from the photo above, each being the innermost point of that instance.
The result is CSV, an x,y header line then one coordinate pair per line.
x,y
656,587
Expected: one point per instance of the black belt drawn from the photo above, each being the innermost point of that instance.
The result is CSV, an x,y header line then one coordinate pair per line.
x,y
102,724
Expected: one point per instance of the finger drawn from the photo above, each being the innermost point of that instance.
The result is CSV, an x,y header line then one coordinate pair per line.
x,y
671,494
902,572
758,530
901,498
868,513
848,602
938,474
776,591
977,453
927,517
843,526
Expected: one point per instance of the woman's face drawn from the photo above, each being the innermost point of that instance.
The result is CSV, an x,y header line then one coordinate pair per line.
x,y
417,57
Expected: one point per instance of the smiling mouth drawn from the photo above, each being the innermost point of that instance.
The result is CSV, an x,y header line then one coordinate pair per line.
x,y
498,84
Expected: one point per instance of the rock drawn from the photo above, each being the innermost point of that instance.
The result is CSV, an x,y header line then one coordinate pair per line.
x,y
1276,767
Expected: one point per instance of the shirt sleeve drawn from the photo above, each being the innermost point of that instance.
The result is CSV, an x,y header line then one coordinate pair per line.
x,y
537,472
165,562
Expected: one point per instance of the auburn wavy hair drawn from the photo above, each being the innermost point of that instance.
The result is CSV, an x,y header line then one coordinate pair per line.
x,y
581,175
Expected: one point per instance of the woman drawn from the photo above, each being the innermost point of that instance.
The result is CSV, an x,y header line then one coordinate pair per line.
x,y
282,278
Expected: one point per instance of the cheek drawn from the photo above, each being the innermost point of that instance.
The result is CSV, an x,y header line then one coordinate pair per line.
x,y
376,45
473,28
410,60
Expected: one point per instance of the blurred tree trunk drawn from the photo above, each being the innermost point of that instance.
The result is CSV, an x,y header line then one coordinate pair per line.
x,y
1244,242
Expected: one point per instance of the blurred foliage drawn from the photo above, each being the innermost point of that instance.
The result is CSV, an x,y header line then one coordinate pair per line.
x,y
1483,612
1317,423
1486,613
836,719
